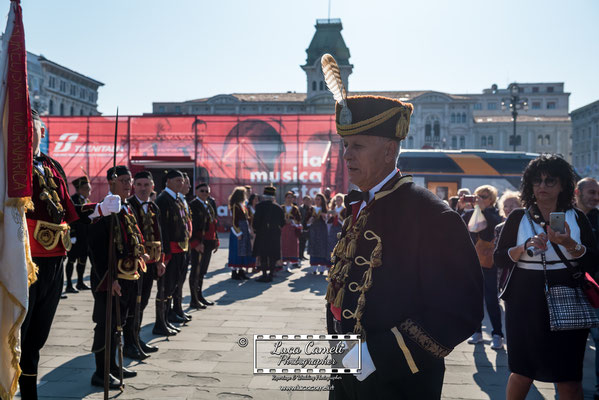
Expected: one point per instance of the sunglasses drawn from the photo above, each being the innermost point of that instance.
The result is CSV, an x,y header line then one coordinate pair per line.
x,y
549,181
203,191
483,196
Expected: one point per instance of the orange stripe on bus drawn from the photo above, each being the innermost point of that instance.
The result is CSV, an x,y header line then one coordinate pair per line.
x,y
472,164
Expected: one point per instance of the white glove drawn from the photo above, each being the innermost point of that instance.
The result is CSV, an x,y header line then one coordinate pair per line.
x,y
110,204
237,234
351,360
73,240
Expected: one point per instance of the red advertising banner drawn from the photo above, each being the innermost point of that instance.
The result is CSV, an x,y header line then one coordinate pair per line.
x,y
19,160
301,153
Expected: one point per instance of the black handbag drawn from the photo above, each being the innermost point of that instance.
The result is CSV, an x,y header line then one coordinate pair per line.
x,y
568,306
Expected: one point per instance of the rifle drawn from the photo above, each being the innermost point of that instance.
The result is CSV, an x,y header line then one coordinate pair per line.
x,y
109,280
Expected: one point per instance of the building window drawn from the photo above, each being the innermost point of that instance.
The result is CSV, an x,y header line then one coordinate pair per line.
x,y
549,89
490,141
63,86
437,129
427,130
535,89
72,111
410,142
73,90
61,109
478,106
321,85
540,141
551,105
547,140
483,141
51,107
463,118
82,93
177,109
314,85
462,142
452,118
491,106
536,105
81,112
160,109
520,89
454,142
52,82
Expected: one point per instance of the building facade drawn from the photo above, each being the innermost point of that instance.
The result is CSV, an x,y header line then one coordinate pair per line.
x,y
585,140
58,90
440,120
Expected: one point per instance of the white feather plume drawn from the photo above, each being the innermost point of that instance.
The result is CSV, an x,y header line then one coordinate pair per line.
x,y
332,76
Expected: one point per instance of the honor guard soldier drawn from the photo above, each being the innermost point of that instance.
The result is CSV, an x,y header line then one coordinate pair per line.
x,y
267,224
78,253
175,239
204,241
147,215
406,276
48,228
130,260
177,312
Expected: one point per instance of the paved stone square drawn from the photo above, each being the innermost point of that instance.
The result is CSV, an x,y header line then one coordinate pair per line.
x,y
205,361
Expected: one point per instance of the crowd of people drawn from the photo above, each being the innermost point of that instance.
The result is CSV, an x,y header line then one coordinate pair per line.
x,y
313,226
512,227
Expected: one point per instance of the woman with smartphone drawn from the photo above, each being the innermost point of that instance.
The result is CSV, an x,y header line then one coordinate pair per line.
x,y
534,351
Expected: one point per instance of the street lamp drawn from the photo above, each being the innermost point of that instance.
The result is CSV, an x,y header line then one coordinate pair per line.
x,y
515,103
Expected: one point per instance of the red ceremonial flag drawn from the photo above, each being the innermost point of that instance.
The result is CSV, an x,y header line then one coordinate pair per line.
x,y
19,161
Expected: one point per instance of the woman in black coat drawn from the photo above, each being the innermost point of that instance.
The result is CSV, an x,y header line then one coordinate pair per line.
x,y
534,351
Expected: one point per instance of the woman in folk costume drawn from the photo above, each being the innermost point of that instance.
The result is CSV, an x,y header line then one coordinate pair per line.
x,y
317,225
337,214
291,232
240,246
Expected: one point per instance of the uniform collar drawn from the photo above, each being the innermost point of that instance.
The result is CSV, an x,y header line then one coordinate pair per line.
x,y
172,193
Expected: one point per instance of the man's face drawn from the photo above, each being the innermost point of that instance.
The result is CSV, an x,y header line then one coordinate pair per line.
x,y
203,192
143,188
186,186
38,133
589,196
307,201
366,158
85,190
175,184
121,186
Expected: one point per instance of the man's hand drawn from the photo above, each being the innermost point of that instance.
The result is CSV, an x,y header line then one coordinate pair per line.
x,y
110,204
160,269
146,257
116,288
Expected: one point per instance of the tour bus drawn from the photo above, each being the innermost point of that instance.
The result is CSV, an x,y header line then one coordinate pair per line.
x,y
443,172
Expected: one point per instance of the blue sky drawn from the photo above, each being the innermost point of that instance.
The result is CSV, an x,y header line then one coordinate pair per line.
x,y
153,50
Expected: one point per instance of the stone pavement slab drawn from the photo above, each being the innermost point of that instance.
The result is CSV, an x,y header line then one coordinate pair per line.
x,y
205,361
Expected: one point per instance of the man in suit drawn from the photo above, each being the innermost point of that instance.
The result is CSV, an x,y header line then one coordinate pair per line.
x,y
267,224
410,290
79,230
204,242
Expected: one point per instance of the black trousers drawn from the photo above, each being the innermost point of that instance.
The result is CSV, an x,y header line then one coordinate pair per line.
x,y
125,302
268,263
147,284
302,243
44,295
173,273
424,385
200,263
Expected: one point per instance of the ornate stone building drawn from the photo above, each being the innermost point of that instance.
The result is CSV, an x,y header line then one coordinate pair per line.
x,y
440,120
585,140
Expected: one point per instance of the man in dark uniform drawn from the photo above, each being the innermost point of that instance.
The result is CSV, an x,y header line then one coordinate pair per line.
x,y
49,239
147,215
306,204
78,252
204,241
175,239
406,276
177,311
130,259
267,224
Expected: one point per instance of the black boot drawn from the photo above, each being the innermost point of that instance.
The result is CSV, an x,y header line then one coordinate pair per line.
x,y
168,312
68,269
98,375
147,348
242,274
130,347
235,275
28,386
265,277
160,326
199,294
114,368
193,289
178,303
80,271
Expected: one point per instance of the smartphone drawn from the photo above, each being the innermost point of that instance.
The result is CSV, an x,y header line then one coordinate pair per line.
x,y
470,199
557,221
